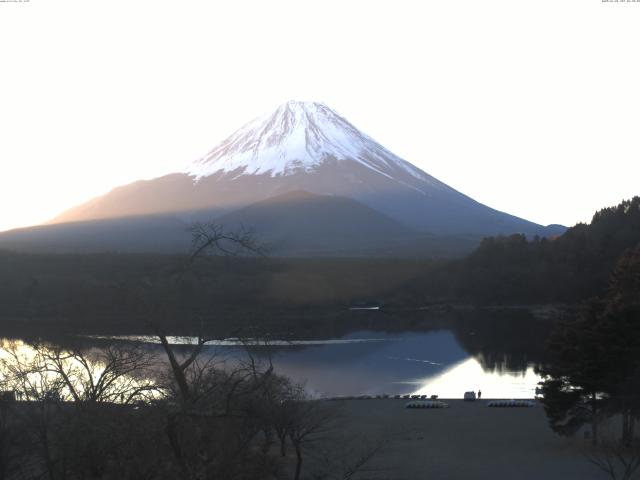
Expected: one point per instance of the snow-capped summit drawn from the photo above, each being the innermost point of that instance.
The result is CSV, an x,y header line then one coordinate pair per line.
x,y
302,172
297,137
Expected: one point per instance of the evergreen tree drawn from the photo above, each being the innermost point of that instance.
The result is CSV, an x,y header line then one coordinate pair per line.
x,y
574,389
594,367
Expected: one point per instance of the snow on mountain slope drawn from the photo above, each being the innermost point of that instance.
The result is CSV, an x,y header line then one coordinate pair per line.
x,y
299,137
304,146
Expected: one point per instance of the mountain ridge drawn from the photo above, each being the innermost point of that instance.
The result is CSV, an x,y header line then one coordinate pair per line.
x,y
305,146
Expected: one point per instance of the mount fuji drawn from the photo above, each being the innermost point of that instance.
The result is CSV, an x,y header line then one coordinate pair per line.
x,y
301,162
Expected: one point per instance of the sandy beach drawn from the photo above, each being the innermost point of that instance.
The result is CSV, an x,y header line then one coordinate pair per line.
x,y
468,440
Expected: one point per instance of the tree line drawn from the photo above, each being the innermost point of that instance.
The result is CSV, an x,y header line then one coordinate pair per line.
x,y
592,372
515,269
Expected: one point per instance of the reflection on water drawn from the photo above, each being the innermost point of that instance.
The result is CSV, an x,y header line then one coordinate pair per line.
x,y
469,375
231,342
374,363
403,363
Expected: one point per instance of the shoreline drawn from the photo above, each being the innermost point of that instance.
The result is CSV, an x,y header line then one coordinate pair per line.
x,y
466,440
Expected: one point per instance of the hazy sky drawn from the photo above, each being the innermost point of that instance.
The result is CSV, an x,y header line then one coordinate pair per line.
x,y
531,107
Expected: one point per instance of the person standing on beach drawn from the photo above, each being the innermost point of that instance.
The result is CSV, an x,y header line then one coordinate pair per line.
x,y
479,394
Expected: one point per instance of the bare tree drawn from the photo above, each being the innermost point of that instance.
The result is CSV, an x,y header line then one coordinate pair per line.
x,y
312,427
213,425
310,421
219,409
179,369
10,439
618,457
213,238
77,403
24,372
282,416
353,459
114,373
206,238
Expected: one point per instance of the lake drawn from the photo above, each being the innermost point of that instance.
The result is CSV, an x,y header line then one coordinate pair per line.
x,y
372,363
497,358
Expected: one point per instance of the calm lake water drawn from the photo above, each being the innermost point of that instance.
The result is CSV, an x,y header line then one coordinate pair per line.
x,y
495,355
400,363
373,363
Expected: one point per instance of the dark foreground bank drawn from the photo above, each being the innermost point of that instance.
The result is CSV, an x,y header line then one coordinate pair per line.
x,y
465,441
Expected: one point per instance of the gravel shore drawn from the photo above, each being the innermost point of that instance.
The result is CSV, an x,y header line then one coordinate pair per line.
x,y
468,440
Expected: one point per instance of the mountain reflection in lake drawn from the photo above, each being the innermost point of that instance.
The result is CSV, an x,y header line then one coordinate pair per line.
x,y
373,363
410,362
494,352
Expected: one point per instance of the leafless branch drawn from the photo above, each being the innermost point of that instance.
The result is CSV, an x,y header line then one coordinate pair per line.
x,y
213,238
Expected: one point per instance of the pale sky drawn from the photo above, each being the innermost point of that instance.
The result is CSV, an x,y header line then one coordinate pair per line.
x,y
531,107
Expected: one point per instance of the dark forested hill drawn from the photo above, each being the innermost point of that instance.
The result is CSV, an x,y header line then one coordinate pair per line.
x,y
122,289
567,268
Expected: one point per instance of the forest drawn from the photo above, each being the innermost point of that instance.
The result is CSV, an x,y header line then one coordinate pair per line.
x,y
513,269
112,291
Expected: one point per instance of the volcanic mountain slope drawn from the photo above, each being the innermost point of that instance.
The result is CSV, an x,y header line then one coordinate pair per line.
x,y
139,234
300,222
301,147
295,223
305,146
